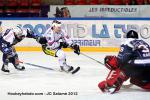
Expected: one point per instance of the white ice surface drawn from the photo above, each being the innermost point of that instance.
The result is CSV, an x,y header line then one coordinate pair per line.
x,y
38,80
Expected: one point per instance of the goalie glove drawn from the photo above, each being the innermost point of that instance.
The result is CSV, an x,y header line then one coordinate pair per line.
x,y
76,48
31,34
111,62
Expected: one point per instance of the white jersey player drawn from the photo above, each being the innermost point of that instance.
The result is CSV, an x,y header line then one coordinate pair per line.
x,y
53,40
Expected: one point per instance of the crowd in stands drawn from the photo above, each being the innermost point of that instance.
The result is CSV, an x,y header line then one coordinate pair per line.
x,y
21,8
39,8
106,2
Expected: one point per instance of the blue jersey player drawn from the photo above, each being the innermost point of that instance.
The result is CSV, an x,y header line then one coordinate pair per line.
x,y
134,56
133,61
7,42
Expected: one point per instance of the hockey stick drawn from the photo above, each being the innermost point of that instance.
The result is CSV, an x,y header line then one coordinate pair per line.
x,y
92,58
36,65
73,72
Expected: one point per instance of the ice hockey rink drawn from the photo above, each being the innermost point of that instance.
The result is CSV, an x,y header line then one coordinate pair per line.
x,y
83,85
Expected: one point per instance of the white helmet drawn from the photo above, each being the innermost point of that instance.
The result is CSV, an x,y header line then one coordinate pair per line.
x,y
19,32
56,23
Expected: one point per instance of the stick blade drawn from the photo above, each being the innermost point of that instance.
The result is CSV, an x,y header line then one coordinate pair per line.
x,y
76,70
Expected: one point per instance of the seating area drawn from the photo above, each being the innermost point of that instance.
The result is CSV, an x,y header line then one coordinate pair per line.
x,y
106,2
20,8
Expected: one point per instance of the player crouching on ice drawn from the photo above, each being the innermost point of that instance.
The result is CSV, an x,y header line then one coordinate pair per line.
x,y
53,40
7,41
133,61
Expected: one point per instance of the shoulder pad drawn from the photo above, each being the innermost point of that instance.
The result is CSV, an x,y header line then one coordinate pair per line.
x,y
128,43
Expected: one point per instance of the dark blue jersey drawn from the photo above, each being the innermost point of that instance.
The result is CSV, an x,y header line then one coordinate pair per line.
x,y
134,49
134,59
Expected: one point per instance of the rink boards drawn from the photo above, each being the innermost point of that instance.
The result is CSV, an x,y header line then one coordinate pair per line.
x,y
93,35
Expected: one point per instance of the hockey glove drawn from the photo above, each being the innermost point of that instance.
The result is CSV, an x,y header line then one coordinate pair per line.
x,y
42,40
64,44
76,48
31,34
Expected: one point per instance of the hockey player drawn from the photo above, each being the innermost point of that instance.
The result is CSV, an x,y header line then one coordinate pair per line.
x,y
53,40
7,42
133,61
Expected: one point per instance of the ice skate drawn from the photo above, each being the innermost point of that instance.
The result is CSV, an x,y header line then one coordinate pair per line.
x,y
5,68
19,67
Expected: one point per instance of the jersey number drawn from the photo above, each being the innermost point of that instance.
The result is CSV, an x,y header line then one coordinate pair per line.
x,y
121,49
144,48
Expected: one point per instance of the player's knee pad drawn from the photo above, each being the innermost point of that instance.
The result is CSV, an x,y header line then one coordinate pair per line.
x,y
111,62
8,51
61,54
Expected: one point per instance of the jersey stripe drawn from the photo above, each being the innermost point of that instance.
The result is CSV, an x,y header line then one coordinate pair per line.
x,y
142,61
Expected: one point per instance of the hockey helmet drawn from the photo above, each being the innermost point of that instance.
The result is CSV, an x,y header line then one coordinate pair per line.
x,y
132,34
19,32
56,23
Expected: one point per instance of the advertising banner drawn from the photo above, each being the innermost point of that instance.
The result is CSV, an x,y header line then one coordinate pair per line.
x,y
99,11
87,33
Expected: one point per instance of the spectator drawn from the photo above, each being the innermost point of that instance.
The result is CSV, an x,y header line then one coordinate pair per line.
x,y
137,2
104,2
116,2
126,2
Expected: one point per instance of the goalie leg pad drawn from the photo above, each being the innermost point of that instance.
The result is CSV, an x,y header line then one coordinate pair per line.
x,y
113,81
116,79
102,86
141,83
